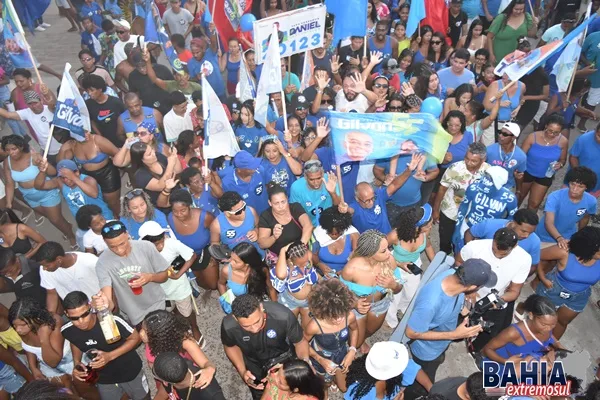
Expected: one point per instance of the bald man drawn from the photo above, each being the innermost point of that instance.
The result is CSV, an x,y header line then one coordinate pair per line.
x,y
368,207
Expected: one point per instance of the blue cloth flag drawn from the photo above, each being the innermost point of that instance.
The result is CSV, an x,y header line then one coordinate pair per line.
x,y
415,15
350,18
14,37
71,112
155,32
360,137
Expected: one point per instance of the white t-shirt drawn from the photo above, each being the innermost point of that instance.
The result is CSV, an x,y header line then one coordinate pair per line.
x,y
41,126
94,241
512,268
359,104
81,276
174,124
119,48
176,289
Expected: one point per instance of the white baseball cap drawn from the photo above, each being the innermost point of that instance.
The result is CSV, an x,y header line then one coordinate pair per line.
x,y
386,360
150,228
498,174
513,128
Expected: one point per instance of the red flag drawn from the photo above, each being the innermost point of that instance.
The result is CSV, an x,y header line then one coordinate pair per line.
x,y
436,15
226,17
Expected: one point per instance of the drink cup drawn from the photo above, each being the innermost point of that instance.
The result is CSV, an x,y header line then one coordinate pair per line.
x,y
136,290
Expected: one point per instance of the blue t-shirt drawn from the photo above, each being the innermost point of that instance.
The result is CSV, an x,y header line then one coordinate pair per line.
x,y
253,192
486,230
473,8
77,198
566,213
211,64
279,125
133,226
372,218
480,206
280,173
410,193
587,150
513,161
249,138
451,81
459,150
408,378
434,311
94,11
349,170
88,41
592,53
313,201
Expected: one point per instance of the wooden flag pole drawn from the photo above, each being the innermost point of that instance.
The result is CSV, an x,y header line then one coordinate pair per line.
x,y
213,21
365,47
504,89
531,7
47,148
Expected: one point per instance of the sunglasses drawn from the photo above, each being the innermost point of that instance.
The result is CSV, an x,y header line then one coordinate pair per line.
x,y
505,134
120,32
134,193
313,164
143,132
237,212
436,42
301,108
381,86
394,108
328,101
115,227
87,59
85,314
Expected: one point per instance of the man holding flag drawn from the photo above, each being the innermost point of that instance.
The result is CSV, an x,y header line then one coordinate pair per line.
x,y
206,63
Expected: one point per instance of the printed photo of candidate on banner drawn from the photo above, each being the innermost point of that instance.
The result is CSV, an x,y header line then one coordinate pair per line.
x,y
361,137
299,31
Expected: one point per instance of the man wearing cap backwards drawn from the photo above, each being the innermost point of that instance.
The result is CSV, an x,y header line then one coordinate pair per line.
x,y
123,31
246,178
432,323
506,154
131,269
511,265
382,42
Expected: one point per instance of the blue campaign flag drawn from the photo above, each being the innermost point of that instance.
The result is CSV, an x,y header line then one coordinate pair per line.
x,y
155,32
363,137
350,18
415,15
71,112
14,37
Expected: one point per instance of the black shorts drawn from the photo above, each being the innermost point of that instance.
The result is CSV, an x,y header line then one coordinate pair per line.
x,y
202,260
108,177
528,178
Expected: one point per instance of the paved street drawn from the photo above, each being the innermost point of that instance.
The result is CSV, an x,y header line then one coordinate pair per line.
x,y
55,47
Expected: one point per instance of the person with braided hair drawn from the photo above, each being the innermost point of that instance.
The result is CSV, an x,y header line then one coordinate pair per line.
x,y
332,332
293,278
372,275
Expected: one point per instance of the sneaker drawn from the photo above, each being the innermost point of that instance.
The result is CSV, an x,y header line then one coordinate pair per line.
x,y
46,25
40,29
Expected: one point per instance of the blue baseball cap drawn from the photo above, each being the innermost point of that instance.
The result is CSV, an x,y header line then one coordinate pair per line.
x,y
244,160
478,272
66,164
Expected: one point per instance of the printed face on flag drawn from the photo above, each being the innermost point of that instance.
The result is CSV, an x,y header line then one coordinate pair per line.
x,y
358,145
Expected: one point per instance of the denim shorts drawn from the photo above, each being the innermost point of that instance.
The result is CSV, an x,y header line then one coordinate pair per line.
x,y
290,301
10,381
336,356
377,308
563,297
41,198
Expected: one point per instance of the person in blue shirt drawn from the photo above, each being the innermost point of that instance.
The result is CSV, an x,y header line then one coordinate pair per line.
x,y
586,153
506,154
457,74
300,107
246,178
249,132
89,37
438,305
382,42
484,199
524,223
205,61
315,191
137,208
93,10
278,164
568,210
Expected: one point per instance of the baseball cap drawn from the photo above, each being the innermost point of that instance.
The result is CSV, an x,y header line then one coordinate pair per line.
x,y
123,24
299,100
150,228
498,174
219,252
478,272
390,64
386,360
244,160
512,128
66,164
31,96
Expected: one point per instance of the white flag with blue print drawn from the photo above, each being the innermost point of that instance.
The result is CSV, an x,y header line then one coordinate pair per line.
x,y
71,113
270,79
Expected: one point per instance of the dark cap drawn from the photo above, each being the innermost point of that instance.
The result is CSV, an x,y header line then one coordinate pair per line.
x,y
456,2
299,100
219,252
478,272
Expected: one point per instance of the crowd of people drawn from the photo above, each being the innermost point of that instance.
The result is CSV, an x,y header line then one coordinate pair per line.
x,y
309,259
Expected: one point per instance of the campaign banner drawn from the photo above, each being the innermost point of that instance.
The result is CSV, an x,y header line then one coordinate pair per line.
x,y
219,139
360,137
71,112
155,32
14,37
299,31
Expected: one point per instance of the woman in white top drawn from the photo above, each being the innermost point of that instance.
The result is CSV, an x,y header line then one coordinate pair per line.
x,y
48,353
474,40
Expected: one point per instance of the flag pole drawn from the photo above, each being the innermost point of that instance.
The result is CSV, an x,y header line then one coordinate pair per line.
x,y
365,47
531,7
504,89
213,21
284,116
47,148
575,68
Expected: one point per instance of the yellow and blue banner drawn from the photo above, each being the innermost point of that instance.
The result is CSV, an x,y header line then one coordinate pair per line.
x,y
360,137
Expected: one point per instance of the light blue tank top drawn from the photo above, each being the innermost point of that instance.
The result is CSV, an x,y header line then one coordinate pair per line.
x,y
28,174
403,255
539,157
504,112
238,289
76,198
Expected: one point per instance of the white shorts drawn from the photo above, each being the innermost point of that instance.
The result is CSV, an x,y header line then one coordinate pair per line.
x,y
2,190
63,4
593,97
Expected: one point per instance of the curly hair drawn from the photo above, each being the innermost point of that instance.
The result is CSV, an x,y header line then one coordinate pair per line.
x,y
368,244
583,176
585,243
330,299
46,390
17,141
331,218
166,331
32,313
364,382
406,228
126,212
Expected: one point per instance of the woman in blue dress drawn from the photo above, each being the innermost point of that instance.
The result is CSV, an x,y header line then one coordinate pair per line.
x,y
421,44
230,62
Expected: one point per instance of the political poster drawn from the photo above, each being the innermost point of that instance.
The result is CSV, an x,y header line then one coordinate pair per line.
x,y
298,31
71,112
362,137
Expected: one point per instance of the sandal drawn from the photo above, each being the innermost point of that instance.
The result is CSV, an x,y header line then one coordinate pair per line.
x,y
24,218
333,388
201,342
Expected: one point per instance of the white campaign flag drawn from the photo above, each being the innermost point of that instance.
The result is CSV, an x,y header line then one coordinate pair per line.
x,y
246,88
270,79
71,113
219,139
503,5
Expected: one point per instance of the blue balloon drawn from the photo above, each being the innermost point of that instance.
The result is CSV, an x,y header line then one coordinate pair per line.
x,y
433,106
247,22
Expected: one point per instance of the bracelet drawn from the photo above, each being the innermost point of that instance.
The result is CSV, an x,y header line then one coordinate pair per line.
x,y
335,72
165,192
558,237
352,348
